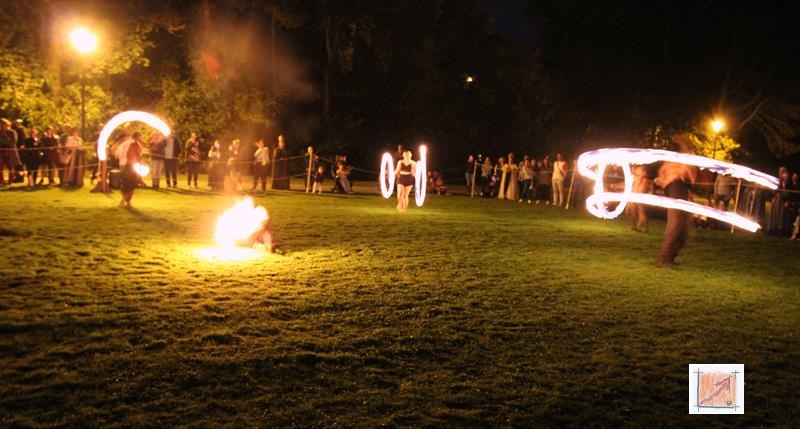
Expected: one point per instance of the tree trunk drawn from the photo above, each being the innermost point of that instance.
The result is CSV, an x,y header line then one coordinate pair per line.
x,y
326,91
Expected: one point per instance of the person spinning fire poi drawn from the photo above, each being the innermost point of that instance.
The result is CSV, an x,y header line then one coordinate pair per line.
x,y
129,153
674,179
405,171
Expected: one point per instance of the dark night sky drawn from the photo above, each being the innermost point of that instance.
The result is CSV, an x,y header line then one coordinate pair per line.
x,y
509,18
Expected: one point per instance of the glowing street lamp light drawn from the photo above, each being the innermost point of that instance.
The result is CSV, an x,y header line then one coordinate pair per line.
x,y
83,40
717,125
470,79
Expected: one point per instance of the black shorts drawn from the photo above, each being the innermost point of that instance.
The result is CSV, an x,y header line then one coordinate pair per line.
x,y
128,178
406,180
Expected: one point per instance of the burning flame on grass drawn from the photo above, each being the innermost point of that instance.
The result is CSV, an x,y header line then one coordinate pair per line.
x,y
239,223
236,226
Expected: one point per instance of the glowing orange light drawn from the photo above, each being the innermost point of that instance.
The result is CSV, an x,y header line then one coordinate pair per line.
x,y
141,169
83,40
717,125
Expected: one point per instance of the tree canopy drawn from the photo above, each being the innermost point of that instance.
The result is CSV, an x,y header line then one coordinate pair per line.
x,y
357,76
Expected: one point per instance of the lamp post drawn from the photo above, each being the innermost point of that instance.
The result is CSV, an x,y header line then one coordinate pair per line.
x,y
85,42
716,126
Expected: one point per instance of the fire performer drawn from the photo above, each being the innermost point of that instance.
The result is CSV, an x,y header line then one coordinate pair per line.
x,y
405,171
673,177
129,152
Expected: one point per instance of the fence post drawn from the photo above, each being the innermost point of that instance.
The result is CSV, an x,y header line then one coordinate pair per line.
x,y
736,203
308,174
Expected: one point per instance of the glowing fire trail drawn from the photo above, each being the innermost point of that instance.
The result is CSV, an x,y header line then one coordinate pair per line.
x,y
593,165
421,176
121,118
387,167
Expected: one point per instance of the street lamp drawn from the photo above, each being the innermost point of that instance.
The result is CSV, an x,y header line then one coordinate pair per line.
x,y
717,125
85,42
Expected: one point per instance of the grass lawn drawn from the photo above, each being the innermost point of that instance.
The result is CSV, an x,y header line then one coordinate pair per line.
x,y
464,313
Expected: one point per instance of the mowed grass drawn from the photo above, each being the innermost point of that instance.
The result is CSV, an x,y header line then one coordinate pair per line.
x,y
463,313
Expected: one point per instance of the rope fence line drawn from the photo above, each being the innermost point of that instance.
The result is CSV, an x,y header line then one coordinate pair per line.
x,y
453,180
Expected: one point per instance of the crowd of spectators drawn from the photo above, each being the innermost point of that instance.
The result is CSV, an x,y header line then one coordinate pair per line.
x,y
58,157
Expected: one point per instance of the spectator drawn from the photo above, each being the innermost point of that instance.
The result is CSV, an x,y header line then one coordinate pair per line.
x,y
526,177
216,170
544,180
192,160
318,178
32,157
9,156
778,216
172,153
723,191
156,148
637,213
793,207
50,154
74,154
280,165
469,170
260,165
512,187
560,168
501,171
343,175
438,184
234,173
486,175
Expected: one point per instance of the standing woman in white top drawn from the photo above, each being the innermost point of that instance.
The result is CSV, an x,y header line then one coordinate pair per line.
x,y
560,169
512,192
261,165
501,171
405,171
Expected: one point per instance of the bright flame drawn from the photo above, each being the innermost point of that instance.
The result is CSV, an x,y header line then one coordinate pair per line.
x,y
239,223
141,169
593,165
83,40
387,189
121,118
421,177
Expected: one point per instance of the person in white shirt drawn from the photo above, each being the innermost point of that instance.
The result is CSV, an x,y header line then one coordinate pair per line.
x,y
560,168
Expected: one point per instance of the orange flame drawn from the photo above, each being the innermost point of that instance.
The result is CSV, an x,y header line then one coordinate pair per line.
x,y
240,222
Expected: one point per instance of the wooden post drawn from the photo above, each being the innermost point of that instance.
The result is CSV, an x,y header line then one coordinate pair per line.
x,y
736,203
571,182
102,184
310,163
